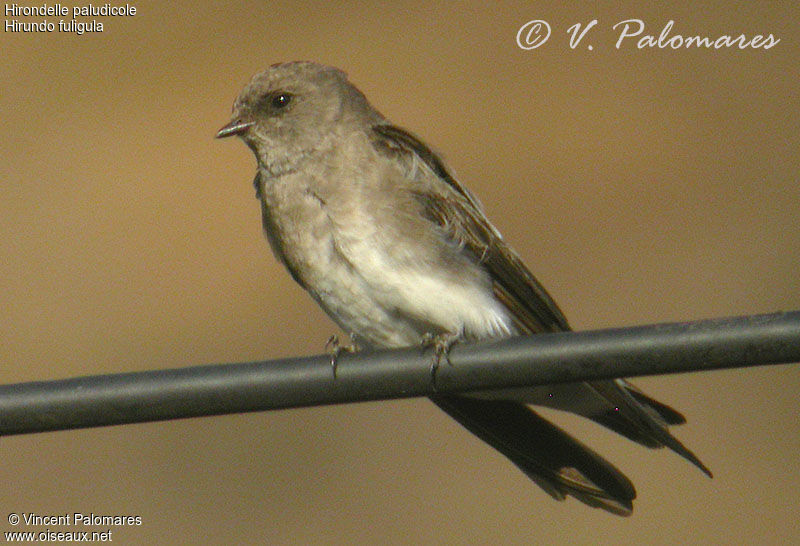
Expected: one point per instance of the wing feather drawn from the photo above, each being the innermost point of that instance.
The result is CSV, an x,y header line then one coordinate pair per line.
x,y
454,209
460,214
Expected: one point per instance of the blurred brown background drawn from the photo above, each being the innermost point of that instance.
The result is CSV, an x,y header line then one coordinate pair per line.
x,y
639,185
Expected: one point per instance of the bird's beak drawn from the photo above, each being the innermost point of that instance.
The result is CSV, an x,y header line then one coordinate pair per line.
x,y
235,127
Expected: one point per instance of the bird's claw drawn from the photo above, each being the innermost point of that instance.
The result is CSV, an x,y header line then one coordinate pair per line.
x,y
334,348
441,343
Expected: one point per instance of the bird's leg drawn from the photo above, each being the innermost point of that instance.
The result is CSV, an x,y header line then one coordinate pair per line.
x,y
441,343
334,348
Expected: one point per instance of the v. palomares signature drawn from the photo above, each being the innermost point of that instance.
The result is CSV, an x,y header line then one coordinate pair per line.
x,y
536,32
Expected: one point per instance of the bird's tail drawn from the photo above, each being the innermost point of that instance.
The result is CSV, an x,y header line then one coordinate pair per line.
x,y
641,418
558,463
615,404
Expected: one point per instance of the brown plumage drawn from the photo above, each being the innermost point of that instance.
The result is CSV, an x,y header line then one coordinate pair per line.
x,y
373,225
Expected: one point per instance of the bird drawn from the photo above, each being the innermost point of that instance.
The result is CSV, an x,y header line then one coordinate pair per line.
x,y
369,220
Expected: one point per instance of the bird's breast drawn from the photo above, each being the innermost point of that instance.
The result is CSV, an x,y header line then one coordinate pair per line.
x,y
380,272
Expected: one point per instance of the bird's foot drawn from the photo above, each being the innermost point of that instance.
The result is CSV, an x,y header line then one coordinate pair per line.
x,y
441,343
334,348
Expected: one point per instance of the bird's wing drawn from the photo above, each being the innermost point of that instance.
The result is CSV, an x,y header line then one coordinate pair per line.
x,y
554,460
550,457
459,213
615,404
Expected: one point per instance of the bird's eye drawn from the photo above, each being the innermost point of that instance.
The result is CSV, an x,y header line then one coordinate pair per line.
x,y
280,100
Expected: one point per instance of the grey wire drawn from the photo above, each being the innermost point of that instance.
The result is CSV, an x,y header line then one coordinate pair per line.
x,y
295,382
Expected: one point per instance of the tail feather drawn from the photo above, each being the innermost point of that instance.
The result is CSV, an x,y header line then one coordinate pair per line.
x,y
558,463
616,404
613,420
669,415
648,418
